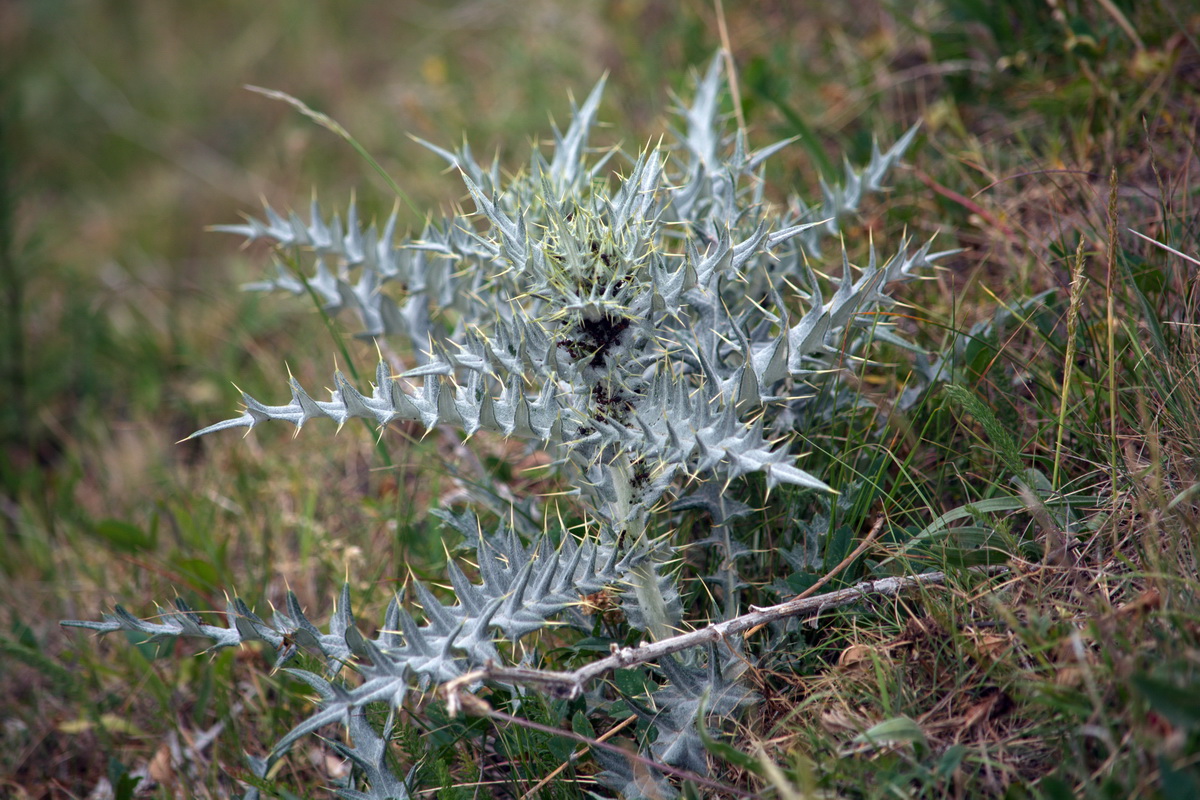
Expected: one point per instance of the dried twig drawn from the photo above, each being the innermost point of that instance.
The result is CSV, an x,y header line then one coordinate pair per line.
x,y
828,576
480,708
572,684
968,204
611,732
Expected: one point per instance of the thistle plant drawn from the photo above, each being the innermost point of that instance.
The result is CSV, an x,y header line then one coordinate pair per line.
x,y
652,322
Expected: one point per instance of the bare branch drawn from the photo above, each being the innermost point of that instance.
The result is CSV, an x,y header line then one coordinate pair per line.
x,y
572,684
480,708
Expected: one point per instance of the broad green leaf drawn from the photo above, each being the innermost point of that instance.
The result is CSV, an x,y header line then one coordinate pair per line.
x,y
124,536
897,730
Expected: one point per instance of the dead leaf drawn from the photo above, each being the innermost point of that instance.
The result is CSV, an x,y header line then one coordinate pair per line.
x,y
837,721
160,769
855,655
1146,601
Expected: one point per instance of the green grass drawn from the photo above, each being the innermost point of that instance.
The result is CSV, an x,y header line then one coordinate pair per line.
x,y
125,133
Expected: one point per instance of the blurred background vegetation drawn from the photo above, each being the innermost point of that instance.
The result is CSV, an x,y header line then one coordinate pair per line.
x,y
125,131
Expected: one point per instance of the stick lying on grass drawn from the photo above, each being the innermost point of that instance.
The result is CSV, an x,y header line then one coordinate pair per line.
x,y
572,684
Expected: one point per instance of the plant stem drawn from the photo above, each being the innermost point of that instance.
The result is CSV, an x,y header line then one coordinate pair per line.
x,y
1068,358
